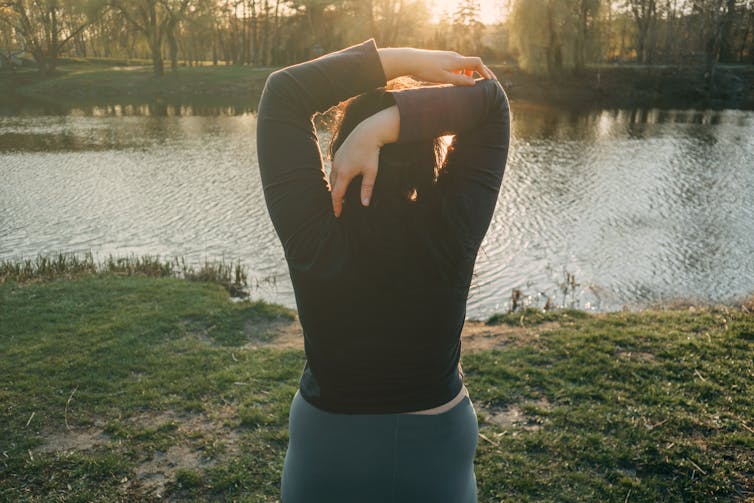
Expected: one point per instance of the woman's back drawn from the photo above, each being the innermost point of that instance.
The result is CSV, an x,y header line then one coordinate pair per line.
x,y
381,292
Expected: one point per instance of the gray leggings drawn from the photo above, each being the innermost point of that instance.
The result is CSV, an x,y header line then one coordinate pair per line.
x,y
380,458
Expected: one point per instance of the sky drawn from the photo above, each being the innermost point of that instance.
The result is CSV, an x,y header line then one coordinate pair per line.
x,y
491,10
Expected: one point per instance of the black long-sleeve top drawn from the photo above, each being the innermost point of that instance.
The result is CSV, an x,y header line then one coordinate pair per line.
x,y
380,335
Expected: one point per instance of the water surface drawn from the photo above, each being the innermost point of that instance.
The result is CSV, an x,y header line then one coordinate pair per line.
x,y
640,206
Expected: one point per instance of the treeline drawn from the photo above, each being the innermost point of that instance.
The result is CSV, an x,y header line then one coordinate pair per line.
x,y
541,35
556,35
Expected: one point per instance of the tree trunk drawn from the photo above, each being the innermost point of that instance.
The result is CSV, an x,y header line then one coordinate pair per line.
x,y
554,54
41,60
245,35
53,47
266,34
580,41
254,33
726,28
276,36
644,12
157,65
173,47
155,41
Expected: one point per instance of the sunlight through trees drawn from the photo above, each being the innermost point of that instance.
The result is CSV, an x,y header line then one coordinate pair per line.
x,y
542,36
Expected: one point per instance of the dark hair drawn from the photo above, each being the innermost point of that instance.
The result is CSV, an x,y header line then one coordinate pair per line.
x,y
407,171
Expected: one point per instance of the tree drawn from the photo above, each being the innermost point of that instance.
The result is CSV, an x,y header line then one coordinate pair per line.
x,y
587,13
467,28
539,29
726,31
47,27
155,19
645,16
312,14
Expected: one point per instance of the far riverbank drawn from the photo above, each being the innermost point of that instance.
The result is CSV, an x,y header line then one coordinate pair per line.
x,y
606,86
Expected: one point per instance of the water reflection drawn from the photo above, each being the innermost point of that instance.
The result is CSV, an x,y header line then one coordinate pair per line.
x,y
27,107
639,205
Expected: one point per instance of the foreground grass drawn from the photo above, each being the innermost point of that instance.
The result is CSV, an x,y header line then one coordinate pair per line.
x,y
123,388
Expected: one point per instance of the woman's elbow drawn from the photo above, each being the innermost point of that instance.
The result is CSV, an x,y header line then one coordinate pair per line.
x,y
277,85
501,105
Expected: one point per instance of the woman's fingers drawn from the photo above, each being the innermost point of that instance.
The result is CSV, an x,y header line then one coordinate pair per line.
x,y
333,178
491,74
367,186
337,195
466,66
474,64
459,78
340,185
337,203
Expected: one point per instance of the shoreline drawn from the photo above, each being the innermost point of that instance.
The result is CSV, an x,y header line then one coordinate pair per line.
x,y
601,86
236,280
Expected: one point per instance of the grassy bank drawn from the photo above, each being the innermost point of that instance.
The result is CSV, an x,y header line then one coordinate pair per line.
x,y
99,84
82,83
614,86
125,387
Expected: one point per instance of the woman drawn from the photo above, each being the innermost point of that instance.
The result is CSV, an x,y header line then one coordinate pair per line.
x,y
381,264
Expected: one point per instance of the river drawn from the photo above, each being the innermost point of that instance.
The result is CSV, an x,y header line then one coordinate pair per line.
x,y
638,207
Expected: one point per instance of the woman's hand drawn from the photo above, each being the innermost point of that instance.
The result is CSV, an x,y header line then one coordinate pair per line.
x,y
360,155
441,67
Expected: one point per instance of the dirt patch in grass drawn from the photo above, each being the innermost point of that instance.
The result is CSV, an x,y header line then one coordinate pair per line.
x,y
514,416
476,336
74,440
155,474
636,356
197,331
203,441
277,333
199,441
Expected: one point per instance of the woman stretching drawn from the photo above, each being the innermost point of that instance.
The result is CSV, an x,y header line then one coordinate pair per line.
x,y
381,260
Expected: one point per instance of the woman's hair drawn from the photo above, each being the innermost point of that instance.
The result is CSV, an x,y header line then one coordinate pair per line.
x,y
407,171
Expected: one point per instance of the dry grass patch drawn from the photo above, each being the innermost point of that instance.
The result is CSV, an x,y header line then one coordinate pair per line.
x,y
521,416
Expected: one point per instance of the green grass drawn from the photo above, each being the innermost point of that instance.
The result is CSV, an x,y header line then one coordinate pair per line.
x,y
651,406
101,82
234,277
531,316
658,404
97,84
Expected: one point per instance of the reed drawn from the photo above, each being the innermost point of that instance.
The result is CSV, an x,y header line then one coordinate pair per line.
x,y
231,275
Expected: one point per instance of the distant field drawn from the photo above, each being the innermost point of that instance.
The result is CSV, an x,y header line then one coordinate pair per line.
x,y
123,388
104,82
86,83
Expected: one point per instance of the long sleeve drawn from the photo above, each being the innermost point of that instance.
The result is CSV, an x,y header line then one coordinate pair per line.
x,y
479,117
293,178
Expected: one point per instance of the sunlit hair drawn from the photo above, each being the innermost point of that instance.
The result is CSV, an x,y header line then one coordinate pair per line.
x,y
407,171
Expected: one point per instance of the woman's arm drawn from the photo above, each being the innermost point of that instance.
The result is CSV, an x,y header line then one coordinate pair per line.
x,y
295,187
440,67
479,118
290,164
421,114
359,154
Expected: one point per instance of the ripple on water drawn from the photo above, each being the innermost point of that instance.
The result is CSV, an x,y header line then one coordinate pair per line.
x,y
640,206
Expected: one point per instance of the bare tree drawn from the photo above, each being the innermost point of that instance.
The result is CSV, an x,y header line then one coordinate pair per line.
x,y
587,12
645,15
156,20
41,26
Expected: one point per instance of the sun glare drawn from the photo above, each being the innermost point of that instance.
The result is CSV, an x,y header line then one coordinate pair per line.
x,y
490,11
